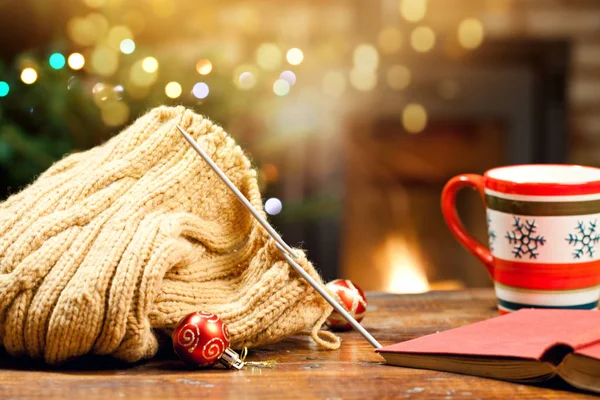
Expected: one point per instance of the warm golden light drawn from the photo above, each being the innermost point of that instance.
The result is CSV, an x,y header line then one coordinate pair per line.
x,y
135,20
173,90
204,67
390,40
29,76
104,61
403,267
366,57
117,34
268,56
115,113
414,118
138,76
422,39
150,64
398,77
76,61
294,56
99,26
94,3
81,31
470,33
281,87
163,8
413,10
363,80
334,84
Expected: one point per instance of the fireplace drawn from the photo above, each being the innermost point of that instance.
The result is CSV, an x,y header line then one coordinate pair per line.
x,y
491,109
503,104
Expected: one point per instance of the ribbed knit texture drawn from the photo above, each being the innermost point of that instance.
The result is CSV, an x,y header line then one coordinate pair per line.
x,y
131,236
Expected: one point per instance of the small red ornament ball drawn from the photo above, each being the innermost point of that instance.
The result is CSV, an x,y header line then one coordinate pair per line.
x,y
200,338
352,298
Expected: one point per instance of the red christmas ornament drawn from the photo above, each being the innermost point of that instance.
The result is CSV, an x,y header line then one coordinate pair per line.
x,y
352,298
202,339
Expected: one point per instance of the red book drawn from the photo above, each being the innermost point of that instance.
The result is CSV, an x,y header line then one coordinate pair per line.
x,y
530,345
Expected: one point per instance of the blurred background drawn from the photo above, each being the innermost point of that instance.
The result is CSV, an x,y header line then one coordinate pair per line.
x,y
355,112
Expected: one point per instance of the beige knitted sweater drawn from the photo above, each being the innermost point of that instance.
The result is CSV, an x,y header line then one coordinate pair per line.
x,y
128,237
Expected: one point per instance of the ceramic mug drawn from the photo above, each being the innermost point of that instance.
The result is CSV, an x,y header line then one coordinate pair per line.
x,y
543,231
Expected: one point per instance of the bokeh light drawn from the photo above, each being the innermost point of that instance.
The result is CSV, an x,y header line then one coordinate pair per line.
x,y
273,206
204,67
247,80
173,90
72,83
118,91
398,77
294,56
87,30
366,57
245,76
57,61
29,75
288,76
470,33
99,25
334,84
115,113
104,94
117,34
127,46
414,118
4,88
389,40
150,64
268,56
138,76
200,90
76,61
281,87
104,61
413,10
363,80
101,92
81,31
422,39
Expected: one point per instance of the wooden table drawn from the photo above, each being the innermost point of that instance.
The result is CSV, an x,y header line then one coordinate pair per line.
x,y
304,371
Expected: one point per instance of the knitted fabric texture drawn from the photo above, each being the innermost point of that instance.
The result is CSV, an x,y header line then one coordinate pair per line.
x,y
109,244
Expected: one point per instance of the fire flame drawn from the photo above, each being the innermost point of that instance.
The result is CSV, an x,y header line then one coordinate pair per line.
x,y
402,266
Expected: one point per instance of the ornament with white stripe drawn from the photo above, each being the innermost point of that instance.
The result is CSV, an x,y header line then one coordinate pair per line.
x,y
352,298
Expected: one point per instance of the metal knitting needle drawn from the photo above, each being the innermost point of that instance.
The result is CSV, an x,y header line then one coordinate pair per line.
x,y
236,191
283,247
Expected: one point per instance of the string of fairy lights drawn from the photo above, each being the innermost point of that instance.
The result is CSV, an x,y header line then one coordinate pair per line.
x,y
102,46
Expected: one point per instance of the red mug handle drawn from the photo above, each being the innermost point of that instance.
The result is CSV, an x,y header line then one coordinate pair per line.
x,y
454,222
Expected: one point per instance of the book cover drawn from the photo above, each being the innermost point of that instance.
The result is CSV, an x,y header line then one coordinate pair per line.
x,y
527,345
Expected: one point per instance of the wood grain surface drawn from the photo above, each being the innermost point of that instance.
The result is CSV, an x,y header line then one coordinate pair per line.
x,y
302,372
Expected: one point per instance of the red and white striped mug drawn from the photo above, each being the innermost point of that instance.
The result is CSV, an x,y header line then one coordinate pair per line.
x,y
544,234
